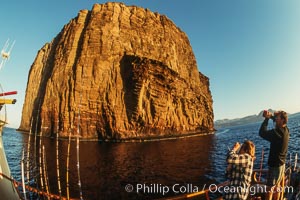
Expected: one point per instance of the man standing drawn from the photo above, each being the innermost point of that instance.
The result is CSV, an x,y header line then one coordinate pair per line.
x,y
278,138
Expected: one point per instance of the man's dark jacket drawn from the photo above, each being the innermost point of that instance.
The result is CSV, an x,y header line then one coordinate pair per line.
x,y
279,139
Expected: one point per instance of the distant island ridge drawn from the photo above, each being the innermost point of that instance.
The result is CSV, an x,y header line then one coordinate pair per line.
x,y
223,123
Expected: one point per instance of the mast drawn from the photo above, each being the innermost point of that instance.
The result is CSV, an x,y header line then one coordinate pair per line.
x,y
5,53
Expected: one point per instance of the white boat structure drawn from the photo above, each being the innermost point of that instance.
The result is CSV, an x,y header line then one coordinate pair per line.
x,y
7,187
34,178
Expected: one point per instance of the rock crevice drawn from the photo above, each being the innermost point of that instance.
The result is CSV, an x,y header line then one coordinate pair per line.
x,y
117,72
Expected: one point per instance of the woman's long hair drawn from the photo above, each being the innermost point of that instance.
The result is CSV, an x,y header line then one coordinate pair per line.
x,y
248,147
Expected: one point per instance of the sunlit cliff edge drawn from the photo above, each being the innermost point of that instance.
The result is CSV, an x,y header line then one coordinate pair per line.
x,y
117,72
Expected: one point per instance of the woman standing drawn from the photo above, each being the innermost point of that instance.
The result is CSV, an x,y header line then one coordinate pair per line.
x,y
239,170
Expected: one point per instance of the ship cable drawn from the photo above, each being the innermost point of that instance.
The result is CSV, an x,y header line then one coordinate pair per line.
x,y
57,161
35,190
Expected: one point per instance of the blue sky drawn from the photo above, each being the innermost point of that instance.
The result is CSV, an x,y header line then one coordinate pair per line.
x,y
249,49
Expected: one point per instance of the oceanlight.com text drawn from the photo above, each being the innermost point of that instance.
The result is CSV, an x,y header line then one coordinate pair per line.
x,y
254,189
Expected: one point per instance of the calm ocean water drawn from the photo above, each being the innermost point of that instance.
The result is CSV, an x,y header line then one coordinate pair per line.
x,y
151,169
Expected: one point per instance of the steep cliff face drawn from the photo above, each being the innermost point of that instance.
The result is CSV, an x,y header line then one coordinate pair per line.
x,y
118,72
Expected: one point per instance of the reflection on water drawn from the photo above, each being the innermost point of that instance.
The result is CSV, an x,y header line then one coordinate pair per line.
x,y
106,168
